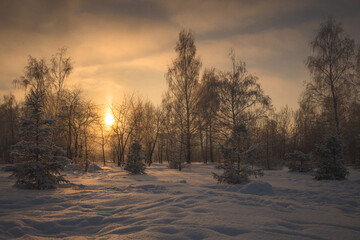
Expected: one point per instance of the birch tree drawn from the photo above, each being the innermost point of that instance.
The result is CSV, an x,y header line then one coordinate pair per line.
x,y
183,78
331,67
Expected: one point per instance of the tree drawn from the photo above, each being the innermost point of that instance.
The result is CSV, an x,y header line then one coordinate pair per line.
x,y
183,77
233,174
172,135
122,127
9,125
70,104
104,136
299,161
329,159
60,70
241,101
38,160
134,164
331,66
152,123
207,110
86,120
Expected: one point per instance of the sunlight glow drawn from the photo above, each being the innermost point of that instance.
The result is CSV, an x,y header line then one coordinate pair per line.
x,y
109,119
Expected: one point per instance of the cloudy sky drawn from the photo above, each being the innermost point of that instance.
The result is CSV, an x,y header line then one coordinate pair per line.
x,y
126,46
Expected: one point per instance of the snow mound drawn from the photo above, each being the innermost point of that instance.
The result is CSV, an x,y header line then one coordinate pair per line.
x,y
94,168
258,188
71,168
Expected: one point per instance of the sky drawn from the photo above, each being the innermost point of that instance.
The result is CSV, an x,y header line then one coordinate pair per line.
x,y
120,47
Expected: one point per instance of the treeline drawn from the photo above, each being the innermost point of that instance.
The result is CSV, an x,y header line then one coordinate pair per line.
x,y
200,112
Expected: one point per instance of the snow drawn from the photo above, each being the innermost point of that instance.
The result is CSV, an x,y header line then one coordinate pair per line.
x,y
168,204
94,168
258,188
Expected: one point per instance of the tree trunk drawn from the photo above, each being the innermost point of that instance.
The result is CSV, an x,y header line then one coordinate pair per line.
x,y
86,154
267,148
202,144
103,152
211,144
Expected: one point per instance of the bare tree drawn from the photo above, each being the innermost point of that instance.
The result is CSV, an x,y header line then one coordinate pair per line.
x,y
86,120
9,125
104,136
183,77
60,69
207,109
241,101
331,66
122,127
153,120
70,104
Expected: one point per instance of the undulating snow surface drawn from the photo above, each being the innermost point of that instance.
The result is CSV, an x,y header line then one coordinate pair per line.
x,y
168,204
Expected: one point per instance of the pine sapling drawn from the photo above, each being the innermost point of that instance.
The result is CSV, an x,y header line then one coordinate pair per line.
x,y
236,173
134,163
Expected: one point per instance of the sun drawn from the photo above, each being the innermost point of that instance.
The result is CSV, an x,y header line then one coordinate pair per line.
x,y
109,119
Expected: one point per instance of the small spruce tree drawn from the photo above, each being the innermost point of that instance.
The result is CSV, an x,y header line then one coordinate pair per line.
x,y
38,160
134,163
329,159
235,173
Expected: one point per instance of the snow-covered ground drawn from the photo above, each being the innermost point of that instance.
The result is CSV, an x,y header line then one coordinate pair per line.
x,y
167,204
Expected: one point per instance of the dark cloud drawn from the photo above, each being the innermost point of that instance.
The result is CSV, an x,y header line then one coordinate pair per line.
x,y
136,9
285,16
120,45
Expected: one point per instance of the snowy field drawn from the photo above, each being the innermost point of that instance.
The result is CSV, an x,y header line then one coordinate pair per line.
x,y
167,204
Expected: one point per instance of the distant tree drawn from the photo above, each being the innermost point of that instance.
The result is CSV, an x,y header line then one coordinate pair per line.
x,y
183,78
103,139
207,110
153,121
122,127
38,160
70,105
331,66
309,125
329,159
9,125
172,134
270,140
352,135
86,122
134,163
299,161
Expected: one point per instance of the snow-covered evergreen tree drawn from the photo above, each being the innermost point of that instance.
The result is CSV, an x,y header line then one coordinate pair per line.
x,y
236,173
38,160
329,159
299,161
134,163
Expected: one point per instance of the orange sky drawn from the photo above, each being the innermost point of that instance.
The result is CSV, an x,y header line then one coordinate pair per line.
x,y
126,46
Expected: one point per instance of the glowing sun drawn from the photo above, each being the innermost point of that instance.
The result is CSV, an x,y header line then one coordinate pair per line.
x,y
109,119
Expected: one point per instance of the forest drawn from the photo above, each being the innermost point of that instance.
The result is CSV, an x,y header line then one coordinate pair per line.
x,y
206,115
